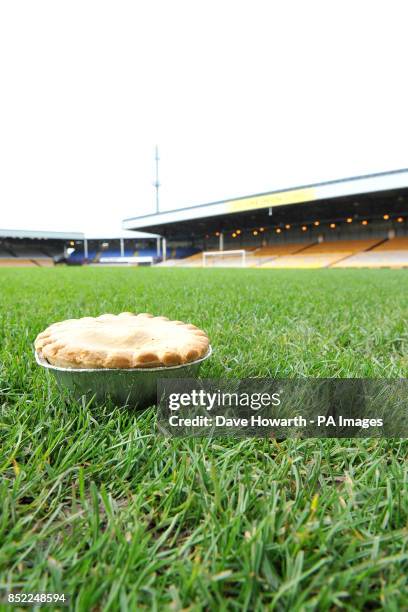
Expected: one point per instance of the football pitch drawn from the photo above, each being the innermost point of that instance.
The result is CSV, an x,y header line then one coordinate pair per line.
x,y
97,505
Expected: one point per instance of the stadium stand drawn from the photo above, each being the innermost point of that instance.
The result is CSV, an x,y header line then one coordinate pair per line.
x,y
285,255
24,255
373,259
31,248
373,252
193,261
44,248
276,250
328,224
391,253
37,255
343,246
18,262
28,251
254,257
113,254
265,255
6,253
378,252
51,250
399,243
22,261
304,261
77,257
324,254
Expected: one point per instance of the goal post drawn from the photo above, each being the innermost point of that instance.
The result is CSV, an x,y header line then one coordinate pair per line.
x,y
235,258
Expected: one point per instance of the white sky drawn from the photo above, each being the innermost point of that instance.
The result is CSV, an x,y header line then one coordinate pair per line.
x,y
242,97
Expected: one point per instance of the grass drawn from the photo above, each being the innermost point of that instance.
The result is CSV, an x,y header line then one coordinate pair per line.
x,y
95,504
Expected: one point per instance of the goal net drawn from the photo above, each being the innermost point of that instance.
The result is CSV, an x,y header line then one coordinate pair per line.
x,y
224,258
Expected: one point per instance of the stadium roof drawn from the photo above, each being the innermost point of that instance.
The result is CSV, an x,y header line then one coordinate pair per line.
x,y
366,184
21,233
126,234
46,235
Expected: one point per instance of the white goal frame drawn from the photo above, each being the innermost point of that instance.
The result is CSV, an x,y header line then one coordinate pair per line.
x,y
241,252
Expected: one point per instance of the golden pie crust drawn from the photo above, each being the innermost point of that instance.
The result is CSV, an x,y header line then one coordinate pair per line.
x,y
126,340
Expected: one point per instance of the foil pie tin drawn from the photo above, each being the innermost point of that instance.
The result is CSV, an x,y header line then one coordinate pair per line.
x,y
133,387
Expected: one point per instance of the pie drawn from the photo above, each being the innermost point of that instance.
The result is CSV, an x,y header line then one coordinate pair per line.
x,y
126,340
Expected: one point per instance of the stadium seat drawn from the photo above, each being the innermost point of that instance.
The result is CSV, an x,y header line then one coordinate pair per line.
x,y
343,246
303,260
400,243
391,253
375,259
194,261
274,250
323,254
17,262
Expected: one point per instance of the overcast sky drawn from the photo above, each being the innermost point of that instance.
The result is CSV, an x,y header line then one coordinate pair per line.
x,y
242,97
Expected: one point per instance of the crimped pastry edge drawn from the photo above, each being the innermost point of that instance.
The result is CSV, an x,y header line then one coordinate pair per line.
x,y
45,364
